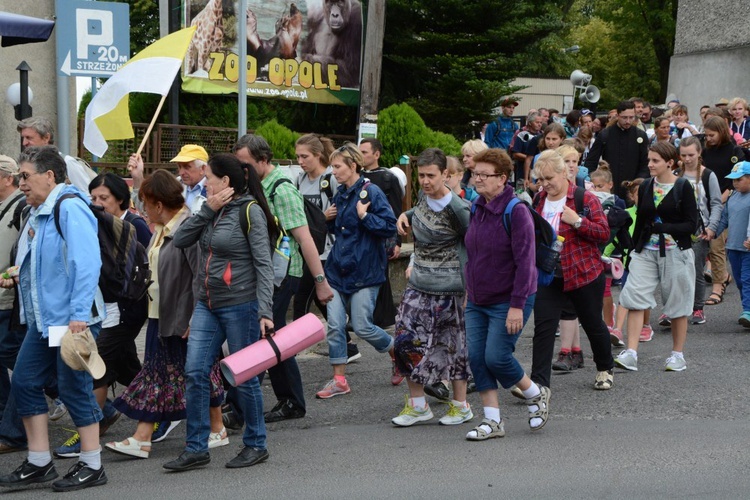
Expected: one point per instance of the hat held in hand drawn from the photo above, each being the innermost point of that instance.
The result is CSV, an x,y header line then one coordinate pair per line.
x,y
79,352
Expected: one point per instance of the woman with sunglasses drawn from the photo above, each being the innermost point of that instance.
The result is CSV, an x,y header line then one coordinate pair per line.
x,y
361,219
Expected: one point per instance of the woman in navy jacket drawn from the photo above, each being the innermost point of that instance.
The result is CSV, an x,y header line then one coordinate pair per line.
x,y
361,219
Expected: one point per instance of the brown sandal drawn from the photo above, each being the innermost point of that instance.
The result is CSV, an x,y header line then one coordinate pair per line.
x,y
715,298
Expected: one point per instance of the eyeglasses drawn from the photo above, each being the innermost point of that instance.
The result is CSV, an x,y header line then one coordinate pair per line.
x,y
483,177
24,176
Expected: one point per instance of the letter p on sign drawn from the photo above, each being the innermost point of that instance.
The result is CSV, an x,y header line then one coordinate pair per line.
x,y
94,28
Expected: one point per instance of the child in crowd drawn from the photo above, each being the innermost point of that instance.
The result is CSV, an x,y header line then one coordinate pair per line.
x,y
681,128
736,216
602,184
615,333
552,137
456,171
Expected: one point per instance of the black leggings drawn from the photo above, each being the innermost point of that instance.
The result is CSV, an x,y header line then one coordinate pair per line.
x,y
587,302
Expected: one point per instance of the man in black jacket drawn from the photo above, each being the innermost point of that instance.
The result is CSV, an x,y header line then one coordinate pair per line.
x,y
624,147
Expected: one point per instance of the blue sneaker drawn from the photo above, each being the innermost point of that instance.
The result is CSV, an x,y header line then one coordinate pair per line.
x,y
70,448
162,429
745,319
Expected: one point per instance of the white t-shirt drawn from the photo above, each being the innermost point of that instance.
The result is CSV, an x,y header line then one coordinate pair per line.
x,y
552,212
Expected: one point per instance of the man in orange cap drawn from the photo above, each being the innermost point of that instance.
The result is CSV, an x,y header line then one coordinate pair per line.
x,y
191,164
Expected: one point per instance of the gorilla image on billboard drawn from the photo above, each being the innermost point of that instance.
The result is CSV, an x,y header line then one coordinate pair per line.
x,y
302,50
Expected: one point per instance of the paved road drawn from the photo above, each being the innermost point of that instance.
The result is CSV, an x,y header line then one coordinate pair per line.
x,y
654,435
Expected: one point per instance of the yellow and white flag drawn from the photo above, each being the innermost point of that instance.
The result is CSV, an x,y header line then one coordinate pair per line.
x,y
152,70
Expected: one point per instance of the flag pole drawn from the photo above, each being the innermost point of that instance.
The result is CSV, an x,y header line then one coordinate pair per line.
x,y
151,125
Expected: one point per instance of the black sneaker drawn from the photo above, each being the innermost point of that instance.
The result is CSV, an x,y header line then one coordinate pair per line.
x,y
577,358
471,386
352,352
28,473
438,390
188,460
80,476
231,420
248,457
107,422
564,362
283,410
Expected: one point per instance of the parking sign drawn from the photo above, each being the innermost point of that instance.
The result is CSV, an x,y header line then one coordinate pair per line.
x,y
93,38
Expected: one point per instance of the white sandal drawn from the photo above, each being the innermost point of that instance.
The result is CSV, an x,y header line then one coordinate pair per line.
x,y
216,439
131,447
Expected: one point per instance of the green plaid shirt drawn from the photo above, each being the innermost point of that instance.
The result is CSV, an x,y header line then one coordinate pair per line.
x,y
288,207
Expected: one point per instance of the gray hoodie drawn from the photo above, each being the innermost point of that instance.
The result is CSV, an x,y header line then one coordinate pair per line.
x,y
235,268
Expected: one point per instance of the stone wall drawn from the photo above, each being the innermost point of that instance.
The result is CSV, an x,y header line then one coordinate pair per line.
x,y
712,53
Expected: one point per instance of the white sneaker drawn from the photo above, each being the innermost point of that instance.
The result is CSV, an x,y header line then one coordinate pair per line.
x,y
675,364
627,360
410,415
457,415
58,411
216,439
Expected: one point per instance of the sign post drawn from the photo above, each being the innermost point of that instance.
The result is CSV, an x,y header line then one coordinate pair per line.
x,y
93,38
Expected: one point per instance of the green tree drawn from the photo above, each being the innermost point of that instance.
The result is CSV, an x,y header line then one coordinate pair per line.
x,y
625,45
452,60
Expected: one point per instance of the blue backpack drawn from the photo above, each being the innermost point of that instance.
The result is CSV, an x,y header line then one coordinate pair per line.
x,y
544,236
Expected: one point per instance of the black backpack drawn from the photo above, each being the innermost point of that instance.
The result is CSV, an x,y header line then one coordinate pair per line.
x,y
618,220
125,274
547,259
316,219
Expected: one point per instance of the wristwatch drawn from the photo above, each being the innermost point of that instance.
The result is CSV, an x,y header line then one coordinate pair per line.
x,y
320,278
577,224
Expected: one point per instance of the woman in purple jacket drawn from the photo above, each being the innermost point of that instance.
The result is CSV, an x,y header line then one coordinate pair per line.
x,y
501,280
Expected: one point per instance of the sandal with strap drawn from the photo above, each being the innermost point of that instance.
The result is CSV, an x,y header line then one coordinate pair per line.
x,y
131,447
542,403
716,297
478,433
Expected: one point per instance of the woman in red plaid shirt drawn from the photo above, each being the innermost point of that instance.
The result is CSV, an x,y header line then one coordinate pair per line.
x,y
579,280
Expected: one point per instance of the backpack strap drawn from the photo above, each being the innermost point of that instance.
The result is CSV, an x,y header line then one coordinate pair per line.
x,y
245,223
10,204
325,185
276,184
507,213
56,210
578,195
18,215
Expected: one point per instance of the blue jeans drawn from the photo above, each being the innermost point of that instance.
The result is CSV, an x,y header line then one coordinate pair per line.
x,y
490,346
238,325
36,363
740,262
360,306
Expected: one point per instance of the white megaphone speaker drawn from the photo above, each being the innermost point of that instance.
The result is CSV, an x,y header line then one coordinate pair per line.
x,y
579,79
590,94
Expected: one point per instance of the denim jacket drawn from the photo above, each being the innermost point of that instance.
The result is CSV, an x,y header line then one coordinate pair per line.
x,y
358,259
59,275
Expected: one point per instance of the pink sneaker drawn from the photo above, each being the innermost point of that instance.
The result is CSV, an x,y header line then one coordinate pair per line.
x,y
647,333
615,336
333,388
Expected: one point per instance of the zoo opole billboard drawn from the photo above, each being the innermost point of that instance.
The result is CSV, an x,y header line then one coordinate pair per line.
x,y
302,51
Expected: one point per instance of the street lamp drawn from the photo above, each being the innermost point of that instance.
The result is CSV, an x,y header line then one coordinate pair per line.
x,y
19,95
